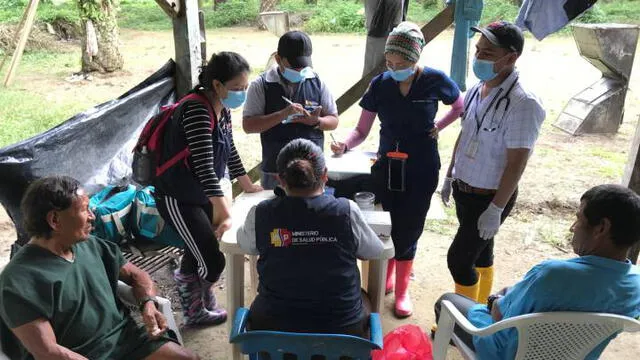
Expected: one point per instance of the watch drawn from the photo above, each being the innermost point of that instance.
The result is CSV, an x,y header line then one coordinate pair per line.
x,y
491,299
142,302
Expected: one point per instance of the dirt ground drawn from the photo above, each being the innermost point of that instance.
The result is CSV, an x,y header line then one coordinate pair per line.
x,y
560,170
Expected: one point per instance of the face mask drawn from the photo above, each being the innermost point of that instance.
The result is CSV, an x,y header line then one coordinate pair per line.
x,y
234,99
296,76
484,68
402,75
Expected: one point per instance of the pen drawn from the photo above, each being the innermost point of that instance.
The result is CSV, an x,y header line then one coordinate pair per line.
x,y
287,100
332,138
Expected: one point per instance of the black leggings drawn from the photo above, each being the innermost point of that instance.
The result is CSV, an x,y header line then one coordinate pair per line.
x,y
193,223
468,250
463,304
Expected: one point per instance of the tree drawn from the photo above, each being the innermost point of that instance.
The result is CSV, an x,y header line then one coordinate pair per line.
x,y
100,42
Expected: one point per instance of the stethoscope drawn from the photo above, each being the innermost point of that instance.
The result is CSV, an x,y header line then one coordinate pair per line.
x,y
507,103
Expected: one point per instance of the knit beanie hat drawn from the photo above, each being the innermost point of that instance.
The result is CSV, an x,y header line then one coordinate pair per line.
x,y
406,39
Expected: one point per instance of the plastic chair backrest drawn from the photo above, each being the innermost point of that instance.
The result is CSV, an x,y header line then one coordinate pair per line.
x,y
567,335
304,346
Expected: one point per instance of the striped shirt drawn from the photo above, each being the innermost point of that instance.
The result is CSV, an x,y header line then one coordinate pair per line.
x,y
197,128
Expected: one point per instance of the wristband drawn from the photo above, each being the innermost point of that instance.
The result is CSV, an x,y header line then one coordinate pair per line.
x,y
142,302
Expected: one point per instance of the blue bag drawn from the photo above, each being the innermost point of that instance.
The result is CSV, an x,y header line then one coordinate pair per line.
x,y
147,222
112,208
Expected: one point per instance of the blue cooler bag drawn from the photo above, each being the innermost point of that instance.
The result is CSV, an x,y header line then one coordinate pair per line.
x,y
147,222
112,208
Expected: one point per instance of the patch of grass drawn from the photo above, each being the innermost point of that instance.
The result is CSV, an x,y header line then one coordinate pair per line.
x,y
54,61
47,12
232,12
147,15
293,6
610,164
421,12
495,10
555,233
337,16
27,116
143,15
30,113
445,227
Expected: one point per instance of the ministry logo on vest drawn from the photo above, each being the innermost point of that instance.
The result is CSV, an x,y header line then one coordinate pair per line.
x,y
286,238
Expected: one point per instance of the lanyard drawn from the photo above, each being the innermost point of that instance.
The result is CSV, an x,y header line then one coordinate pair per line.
x,y
479,123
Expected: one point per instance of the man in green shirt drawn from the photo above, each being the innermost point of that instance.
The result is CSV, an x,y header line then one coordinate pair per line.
x,y
58,293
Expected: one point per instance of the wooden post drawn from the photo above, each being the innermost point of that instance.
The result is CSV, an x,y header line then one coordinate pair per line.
x,y
24,36
16,37
631,179
170,7
186,36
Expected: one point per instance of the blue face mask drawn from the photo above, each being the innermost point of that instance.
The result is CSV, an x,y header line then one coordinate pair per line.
x,y
484,69
402,75
234,99
296,76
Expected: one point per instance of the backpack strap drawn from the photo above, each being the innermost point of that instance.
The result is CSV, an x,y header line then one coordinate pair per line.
x,y
184,153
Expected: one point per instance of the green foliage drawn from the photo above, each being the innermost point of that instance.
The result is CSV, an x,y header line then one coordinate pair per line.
x,y
421,12
147,15
93,9
327,16
293,6
26,116
495,10
47,12
232,12
142,15
336,16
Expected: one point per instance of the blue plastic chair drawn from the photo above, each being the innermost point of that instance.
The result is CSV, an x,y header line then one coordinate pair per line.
x,y
304,346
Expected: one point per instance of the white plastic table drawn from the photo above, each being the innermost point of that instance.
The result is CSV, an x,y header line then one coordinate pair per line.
x,y
350,164
379,221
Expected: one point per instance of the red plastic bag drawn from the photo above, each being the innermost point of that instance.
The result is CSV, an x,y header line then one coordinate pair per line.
x,y
407,342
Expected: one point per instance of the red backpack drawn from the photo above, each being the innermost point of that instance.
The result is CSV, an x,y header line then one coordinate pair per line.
x,y
147,153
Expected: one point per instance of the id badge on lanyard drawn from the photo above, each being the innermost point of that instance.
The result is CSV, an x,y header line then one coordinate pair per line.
x,y
472,148
396,176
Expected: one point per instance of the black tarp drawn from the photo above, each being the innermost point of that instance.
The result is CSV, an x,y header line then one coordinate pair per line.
x,y
94,146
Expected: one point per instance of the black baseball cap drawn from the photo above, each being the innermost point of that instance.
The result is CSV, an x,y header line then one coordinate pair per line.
x,y
295,46
503,34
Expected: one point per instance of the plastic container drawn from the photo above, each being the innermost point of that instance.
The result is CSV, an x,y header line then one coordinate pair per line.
x,y
365,200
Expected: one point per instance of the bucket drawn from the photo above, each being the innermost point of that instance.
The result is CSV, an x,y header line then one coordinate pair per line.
x,y
365,200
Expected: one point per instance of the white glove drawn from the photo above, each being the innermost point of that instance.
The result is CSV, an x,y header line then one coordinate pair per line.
x,y
445,191
489,222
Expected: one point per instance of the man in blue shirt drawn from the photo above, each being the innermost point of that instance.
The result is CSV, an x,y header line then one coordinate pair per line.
x,y
601,279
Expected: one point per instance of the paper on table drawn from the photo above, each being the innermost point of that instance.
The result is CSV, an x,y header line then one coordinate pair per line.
x,y
350,164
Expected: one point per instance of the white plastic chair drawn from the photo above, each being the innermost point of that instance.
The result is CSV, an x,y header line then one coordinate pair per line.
x,y
551,335
125,293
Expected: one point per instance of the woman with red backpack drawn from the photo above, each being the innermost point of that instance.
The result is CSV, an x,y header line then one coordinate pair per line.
x,y
189,195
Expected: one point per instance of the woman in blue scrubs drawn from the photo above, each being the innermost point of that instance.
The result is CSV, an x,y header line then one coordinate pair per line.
x,y
405,176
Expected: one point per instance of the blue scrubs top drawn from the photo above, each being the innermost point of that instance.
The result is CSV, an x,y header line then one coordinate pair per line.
x,y
585,284
406,120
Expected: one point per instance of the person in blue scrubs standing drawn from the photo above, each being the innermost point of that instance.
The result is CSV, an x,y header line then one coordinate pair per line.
x,y
405,176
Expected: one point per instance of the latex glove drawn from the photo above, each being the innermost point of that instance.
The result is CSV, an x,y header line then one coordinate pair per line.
x,y
489,222
445,191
